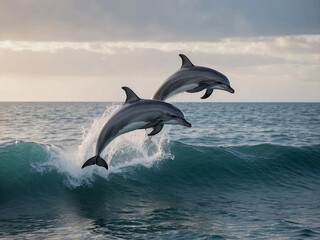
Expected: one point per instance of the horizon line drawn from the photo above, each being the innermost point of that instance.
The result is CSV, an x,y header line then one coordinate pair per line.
x,y
164,101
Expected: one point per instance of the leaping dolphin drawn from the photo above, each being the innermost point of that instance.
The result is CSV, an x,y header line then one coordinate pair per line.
x,y
191,78
135,114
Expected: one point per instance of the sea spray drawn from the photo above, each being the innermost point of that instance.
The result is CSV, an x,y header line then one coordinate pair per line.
x,y
128,150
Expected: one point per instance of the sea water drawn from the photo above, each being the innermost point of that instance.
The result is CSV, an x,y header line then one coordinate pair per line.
x,y
243,171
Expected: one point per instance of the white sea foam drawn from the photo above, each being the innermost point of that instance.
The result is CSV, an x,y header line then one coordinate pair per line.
x,y
123,153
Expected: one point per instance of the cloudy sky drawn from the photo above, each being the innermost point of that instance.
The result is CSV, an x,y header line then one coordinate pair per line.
x,y
78,50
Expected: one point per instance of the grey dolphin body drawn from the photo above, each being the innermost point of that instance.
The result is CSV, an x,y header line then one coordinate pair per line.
x,y
135,114
190,78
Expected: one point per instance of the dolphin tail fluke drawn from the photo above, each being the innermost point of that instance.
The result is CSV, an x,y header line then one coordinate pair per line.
x,y
96,160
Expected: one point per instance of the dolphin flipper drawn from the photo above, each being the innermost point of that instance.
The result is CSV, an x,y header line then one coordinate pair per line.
x,y
207,94
155,130
197,89
96,160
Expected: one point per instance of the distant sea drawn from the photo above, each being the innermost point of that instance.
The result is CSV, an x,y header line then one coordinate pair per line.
x,y
243,171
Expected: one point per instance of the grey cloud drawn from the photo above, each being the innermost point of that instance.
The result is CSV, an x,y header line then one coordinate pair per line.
x,y
144,20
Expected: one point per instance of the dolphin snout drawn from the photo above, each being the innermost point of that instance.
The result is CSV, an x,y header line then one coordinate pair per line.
x,y
185,123
230,90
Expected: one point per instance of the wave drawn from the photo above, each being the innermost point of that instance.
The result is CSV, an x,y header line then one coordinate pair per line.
x,y
33,169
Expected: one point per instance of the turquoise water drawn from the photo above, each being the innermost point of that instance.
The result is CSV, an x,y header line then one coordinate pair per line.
x,y
243,171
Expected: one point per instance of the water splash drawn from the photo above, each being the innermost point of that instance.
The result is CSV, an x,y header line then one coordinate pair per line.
x,y
123,153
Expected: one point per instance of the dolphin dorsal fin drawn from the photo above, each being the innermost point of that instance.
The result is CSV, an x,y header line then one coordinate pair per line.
x,y
186,63
131,96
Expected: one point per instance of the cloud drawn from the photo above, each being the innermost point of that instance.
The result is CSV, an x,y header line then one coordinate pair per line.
x,y
282,68
303,49
161,21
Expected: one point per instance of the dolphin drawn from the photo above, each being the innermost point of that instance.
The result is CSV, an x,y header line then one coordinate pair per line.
x,y
135,114
190,78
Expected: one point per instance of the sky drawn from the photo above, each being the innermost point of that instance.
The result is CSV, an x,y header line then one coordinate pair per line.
x,y
78,50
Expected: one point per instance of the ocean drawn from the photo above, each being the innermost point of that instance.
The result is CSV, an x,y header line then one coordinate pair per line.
x,y
243,171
